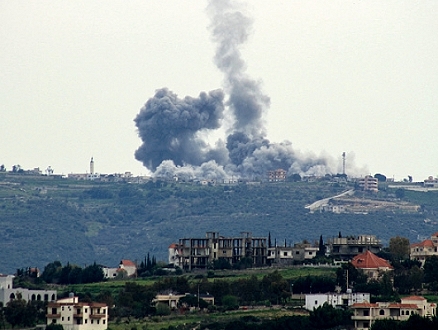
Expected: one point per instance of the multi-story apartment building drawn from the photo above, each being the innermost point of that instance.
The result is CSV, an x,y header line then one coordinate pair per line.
x,y
75,315
365,313
369,183
421,251
200,252
347,247
277,175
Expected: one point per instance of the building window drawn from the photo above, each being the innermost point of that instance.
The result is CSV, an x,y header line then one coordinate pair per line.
x,y
62,318
366,313
62,308
381,312
285,254
366,324
316,302
310,253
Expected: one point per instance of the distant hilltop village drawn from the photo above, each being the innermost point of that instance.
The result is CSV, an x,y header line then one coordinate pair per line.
x,y
91,176
367,183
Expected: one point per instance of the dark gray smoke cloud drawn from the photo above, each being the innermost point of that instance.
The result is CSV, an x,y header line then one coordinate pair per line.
x,y
170,127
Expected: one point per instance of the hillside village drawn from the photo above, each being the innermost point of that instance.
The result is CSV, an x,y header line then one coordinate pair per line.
x,y
359,256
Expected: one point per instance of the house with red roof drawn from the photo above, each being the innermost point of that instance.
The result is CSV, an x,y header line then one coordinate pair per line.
x,y
421,251
372,265
365,313
128,266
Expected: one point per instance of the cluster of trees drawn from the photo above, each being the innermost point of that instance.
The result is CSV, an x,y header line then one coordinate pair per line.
x,y
18,312
54,272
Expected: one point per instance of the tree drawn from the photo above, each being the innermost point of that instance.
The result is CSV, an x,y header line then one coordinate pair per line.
x,y
162,309
399,247
92,274
400,193
230,302
386,324
18,312
326,317
321,251
54,326
431,269
52,272
380,177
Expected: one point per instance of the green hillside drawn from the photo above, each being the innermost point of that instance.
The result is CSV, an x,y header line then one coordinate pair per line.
x,y
43,219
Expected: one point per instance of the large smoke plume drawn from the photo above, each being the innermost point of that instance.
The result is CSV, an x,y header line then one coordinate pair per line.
x,y
172,129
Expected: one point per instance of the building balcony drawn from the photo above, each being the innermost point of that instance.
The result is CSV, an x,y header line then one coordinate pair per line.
x,y
97,316
78,316
53,316
362,318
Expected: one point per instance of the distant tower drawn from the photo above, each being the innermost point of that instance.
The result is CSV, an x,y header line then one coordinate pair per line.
x,y
92,166
343,163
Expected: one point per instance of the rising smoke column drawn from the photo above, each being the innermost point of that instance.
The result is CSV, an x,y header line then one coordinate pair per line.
x,y
250,152
170,127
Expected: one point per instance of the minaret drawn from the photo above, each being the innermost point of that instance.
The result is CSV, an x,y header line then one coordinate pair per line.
x,y
343,163
92,166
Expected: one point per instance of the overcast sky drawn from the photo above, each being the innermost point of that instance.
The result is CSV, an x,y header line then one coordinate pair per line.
x,y
353,76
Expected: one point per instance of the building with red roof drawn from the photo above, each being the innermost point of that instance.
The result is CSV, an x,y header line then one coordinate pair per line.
x,y
365,313
372,265
421,251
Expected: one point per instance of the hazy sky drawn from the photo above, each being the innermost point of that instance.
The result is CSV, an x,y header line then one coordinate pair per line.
x,y
353,76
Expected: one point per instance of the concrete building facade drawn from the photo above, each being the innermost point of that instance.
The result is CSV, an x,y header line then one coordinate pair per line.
x,y
200,252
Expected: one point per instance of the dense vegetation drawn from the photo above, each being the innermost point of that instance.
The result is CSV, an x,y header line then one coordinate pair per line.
x,y
45,219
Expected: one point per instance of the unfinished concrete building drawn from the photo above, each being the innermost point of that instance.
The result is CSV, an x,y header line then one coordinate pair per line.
x,y
200,252
347,247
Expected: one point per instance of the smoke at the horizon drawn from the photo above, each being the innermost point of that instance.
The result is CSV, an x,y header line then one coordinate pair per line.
x,y
172,128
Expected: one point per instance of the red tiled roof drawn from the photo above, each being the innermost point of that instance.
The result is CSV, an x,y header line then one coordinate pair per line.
x,y
369,260
364,305
173,246
425,243
435,235
127,263
399,305
414,298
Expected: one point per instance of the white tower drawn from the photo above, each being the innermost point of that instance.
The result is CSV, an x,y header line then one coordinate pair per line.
x,y
92,166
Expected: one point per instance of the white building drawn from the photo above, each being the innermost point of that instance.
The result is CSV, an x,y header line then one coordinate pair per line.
x,y
174,253
316,300
8,292
365,314
75,315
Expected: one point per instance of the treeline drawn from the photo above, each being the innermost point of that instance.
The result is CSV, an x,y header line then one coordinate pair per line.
x,y
54,272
